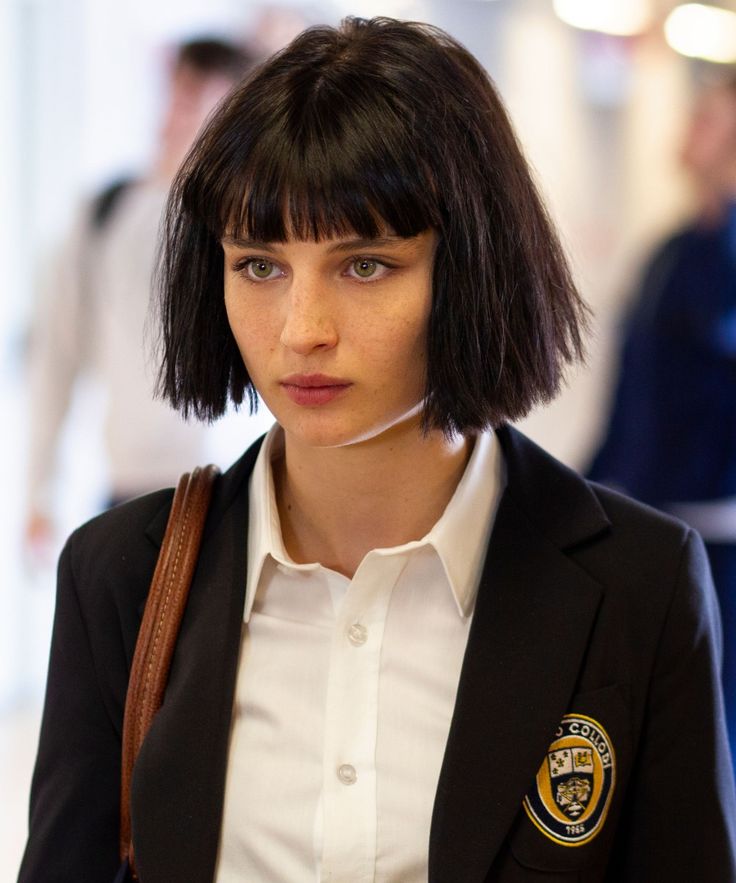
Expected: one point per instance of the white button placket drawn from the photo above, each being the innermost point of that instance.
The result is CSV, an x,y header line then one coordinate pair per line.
x,y
351,719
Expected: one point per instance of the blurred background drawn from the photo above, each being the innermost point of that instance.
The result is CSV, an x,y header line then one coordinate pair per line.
x,y
600,92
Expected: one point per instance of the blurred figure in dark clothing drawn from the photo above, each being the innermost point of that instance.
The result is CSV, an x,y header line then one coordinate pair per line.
x,y
671,439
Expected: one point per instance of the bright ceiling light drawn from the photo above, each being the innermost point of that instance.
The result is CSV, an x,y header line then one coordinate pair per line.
x,y
700,31
620,17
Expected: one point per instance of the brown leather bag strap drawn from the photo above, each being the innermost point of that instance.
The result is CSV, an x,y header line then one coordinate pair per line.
x,y
159,629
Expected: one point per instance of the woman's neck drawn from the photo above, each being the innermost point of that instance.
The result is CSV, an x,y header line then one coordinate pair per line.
x,y
337,504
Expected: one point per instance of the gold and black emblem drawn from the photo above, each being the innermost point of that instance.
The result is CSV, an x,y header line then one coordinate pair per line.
x,y
575,783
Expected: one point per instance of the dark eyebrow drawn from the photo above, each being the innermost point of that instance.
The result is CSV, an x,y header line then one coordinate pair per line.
x,y
368,244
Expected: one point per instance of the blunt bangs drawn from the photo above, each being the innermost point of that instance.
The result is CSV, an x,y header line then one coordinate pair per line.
x,y
332,159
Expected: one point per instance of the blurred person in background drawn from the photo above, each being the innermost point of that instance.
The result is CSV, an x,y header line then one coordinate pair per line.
x,y
671,436
93,304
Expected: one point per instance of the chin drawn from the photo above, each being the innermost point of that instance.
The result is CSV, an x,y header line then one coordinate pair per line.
x,y
325,432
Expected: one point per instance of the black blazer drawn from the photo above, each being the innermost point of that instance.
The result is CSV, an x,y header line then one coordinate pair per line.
x,y
591,608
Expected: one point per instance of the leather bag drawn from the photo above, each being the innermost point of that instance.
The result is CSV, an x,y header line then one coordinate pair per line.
x,y
162,617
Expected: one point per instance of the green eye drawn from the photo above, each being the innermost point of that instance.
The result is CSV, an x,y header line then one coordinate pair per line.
x,y
364,268
260,269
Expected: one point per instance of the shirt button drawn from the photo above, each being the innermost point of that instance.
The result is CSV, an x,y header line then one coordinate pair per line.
x,y
357,634
346,774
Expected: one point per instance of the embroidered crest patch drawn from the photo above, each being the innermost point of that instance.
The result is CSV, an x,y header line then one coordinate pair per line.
x,y
575,783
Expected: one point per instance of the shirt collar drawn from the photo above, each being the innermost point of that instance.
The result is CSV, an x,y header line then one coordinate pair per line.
x,y
264,527
460,536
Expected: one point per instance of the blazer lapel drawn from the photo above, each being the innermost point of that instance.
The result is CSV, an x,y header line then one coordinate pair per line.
x,y
533,615
179,779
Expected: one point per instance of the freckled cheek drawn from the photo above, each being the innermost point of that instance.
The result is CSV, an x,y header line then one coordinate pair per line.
x,y
257,352
417,335
398,360
235,317
253,333
418,358
238,328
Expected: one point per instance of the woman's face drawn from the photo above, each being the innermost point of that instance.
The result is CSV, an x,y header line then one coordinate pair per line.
x,y
333,333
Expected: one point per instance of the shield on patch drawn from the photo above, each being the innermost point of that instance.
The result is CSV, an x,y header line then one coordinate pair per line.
x,y
571,774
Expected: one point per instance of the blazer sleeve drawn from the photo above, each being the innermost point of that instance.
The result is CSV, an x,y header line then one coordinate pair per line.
x,y
75,792
679,815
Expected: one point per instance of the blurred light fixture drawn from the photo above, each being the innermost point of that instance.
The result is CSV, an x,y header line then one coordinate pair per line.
x,y
701,31
619,17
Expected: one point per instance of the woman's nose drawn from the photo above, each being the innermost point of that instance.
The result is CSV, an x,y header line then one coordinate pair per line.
x,y
308,323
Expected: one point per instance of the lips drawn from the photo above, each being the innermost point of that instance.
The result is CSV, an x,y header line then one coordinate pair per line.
x,y
314,389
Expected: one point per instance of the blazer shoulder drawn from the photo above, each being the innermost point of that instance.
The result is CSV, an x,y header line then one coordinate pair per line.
x,y
112,556
636,522
647,558
575,512
631,549
115,553
110,532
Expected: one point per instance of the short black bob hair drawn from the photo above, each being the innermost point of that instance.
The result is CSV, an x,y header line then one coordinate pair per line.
x,y
375,125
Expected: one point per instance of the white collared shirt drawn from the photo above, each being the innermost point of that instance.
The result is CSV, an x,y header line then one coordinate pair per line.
x,y
345,692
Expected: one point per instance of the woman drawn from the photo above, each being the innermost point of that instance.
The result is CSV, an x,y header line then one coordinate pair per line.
x,y
415,646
